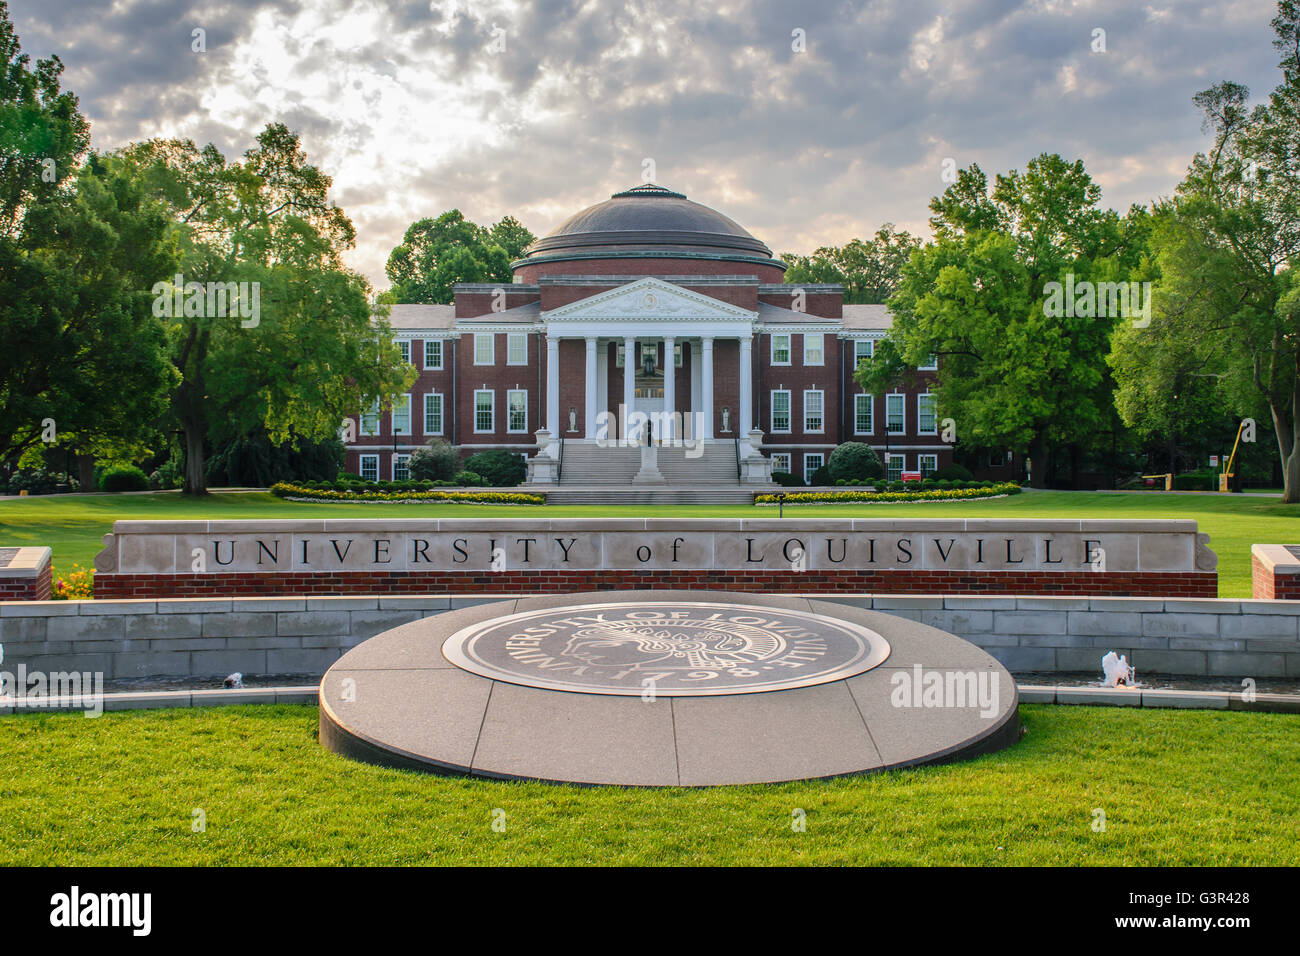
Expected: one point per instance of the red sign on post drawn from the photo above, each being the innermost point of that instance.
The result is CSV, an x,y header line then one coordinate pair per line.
x,y
911,476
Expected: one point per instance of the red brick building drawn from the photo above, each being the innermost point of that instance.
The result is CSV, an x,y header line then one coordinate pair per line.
x,y
721,350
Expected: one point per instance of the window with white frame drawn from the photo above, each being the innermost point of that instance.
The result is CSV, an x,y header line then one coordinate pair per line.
x,y
781,462
931,364
484,410
811,462
781,349
895,413
862,349
925,424
517,410
677,354
405,347
618,355
433,353
401,414
863,414
813,406
370,467
996,459
370,420
433,413
401,468
894,466
484,348
928,464
780,410
516,349
814,349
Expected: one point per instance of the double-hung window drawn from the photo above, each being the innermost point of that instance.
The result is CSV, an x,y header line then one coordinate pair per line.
x,y
516,349
484,411
517,410
781,410
863,414
925,424
813,404
433,413
895,413
814,349
401,414
781,349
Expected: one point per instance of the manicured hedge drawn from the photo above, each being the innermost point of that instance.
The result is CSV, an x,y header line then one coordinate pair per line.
x,y
832,497
372,493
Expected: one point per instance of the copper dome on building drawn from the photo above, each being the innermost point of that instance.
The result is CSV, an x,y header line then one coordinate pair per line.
x,y
648,222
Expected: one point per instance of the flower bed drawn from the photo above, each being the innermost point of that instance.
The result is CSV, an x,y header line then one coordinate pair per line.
x,y
834,497
300,493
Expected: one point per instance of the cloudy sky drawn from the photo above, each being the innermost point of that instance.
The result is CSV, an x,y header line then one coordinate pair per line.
x,y
538,109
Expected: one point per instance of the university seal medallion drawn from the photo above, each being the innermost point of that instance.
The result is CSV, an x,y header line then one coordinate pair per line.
x,y
666,649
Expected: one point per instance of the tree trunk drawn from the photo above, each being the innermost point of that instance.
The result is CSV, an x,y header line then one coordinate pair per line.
x,y
86,472
194,481
1038,459
1288,446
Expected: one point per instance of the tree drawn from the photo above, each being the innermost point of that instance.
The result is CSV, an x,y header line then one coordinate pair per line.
x,y
435,254
869,270
1014,370
1229,299
275,334
84,361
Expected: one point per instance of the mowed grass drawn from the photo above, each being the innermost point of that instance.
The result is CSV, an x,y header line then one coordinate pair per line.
x,y
1176,788
73,525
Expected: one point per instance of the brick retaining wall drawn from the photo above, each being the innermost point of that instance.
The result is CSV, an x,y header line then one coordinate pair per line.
x,y
1129,584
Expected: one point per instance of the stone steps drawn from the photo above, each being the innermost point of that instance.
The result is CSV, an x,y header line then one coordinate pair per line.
x,y
657,496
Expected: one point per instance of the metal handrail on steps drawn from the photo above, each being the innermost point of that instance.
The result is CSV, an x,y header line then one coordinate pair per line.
x,y
736,439
559,469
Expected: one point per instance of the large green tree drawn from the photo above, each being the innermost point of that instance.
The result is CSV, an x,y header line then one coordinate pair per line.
x,y
313,352
868,269
84,359
1013,372
1229,300
435,254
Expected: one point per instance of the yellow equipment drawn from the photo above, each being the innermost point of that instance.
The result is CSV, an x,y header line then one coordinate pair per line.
x,y
1227,472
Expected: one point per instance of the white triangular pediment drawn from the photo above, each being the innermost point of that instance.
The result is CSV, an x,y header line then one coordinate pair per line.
x,y
648,300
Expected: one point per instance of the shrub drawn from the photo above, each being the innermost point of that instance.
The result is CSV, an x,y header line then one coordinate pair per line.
x,y
351,476
34,481
436,461
499,468
123,478
854,459
912,494
787,480
1193,481
954,472
821,477
468,479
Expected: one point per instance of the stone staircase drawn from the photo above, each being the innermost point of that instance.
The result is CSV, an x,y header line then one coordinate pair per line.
x,y
594,475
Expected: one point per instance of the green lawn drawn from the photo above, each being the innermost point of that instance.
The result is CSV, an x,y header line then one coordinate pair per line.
x,y
73,524
1177,788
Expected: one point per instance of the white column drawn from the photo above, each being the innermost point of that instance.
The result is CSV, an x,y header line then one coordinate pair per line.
x,y
706,386
553,387
629,381
746,386
591,388
670,387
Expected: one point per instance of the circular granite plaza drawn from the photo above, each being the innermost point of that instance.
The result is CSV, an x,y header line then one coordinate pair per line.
x,y
665,688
